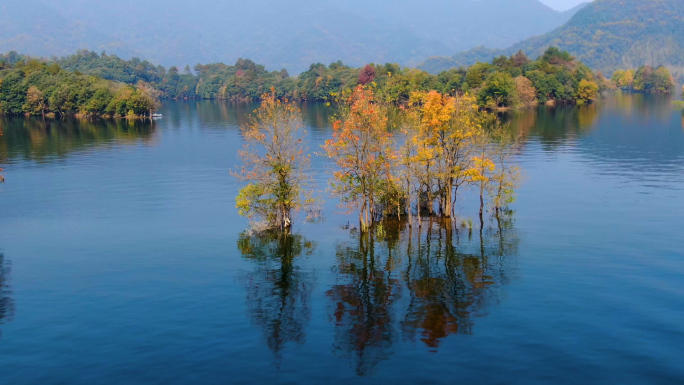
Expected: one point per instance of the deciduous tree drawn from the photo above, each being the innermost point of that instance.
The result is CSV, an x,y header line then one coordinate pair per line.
x,y
505,177
367,75
275,163
362,151
587,91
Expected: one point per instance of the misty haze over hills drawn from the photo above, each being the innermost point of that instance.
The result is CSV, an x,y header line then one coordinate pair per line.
x,y
279,34
606,35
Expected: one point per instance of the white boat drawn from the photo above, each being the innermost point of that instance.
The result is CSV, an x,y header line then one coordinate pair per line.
x,y
156,115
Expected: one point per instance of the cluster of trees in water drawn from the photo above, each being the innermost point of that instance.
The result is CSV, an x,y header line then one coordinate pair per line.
x,y
644,79
388,163
505,82
35,87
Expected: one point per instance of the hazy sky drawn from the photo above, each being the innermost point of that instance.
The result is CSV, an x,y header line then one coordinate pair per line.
x,y
563,4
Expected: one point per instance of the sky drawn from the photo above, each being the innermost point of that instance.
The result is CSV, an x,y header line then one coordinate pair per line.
x,y
562,5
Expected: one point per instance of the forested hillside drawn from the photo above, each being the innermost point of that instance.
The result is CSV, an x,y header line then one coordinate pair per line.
x,y
37,88
279,34
606,35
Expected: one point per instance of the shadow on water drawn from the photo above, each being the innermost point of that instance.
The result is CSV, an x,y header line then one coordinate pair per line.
x,y
423,284
6,301
278,291
42,140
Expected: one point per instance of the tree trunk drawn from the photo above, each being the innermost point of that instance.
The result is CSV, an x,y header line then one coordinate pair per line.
x,y
408,204
448,209
481,203
420,223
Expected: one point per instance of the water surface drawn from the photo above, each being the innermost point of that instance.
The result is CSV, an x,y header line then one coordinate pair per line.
x,y
123,260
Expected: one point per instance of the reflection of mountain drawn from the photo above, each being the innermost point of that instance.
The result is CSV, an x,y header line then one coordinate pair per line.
x,y
427,284
278,292
41,140
6,301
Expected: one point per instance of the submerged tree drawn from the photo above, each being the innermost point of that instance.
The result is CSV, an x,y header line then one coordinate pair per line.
x,y
483,166
276,165
506,176
441,134
362,151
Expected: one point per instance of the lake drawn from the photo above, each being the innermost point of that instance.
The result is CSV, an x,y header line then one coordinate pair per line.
x,y
123,261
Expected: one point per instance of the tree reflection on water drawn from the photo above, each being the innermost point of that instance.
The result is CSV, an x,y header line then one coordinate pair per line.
x,y
43,140
364,296
426,284
6,301
392,285
278,292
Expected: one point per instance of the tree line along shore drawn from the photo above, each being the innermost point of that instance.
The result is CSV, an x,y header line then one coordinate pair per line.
x,y
100,85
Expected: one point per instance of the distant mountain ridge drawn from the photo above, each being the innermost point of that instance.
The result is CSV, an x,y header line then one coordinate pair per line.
x,y
277,33
606,35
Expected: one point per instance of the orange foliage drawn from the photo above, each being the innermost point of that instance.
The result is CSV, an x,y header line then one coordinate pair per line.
x,y
362,151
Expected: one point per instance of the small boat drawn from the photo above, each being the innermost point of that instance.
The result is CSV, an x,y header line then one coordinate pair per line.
x,y
156,115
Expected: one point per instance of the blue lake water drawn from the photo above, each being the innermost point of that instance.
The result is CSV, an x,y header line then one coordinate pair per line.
x,y
122,261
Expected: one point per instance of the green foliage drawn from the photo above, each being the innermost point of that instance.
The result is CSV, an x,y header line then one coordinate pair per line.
x,y
275,165
84,82
34,87
658,81
498,91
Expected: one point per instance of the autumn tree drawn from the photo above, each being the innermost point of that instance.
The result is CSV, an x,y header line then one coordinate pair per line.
x,y
35,101
367,75
483,166
505,177
146,99
525,92
623,79
446,127
275,163
520,59
432,114
362,151
587,91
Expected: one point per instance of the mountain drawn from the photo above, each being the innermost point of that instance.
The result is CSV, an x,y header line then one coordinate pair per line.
x,y
606,35
281,34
